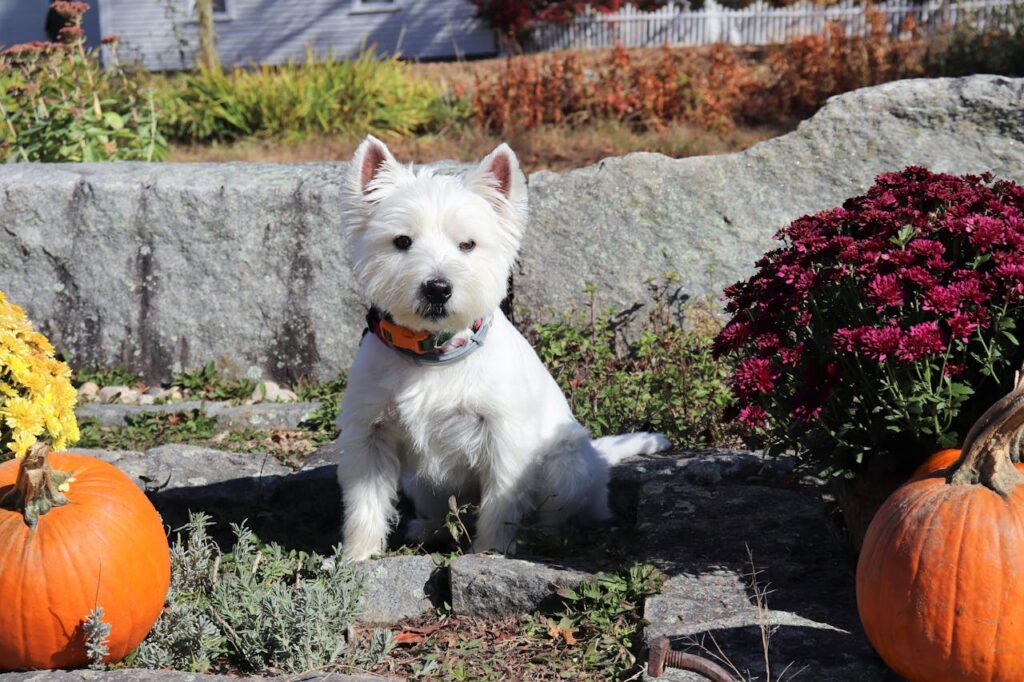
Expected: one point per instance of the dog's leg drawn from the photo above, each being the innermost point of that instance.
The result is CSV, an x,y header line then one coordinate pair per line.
x,y
368,473
498,521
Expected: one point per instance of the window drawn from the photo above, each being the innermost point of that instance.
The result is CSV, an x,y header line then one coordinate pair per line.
x,y
221,9
366,6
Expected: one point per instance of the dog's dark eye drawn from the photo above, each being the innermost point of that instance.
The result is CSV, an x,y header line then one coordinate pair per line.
x,y
467,246
402,243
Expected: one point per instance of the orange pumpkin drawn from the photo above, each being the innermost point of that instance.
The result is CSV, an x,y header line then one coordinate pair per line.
x,y
943,459
940,578
75,534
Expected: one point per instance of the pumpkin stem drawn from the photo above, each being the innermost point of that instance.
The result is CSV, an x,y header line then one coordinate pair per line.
x,y
986,456
37,489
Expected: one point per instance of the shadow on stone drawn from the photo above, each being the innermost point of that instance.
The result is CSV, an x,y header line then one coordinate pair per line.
x,y
794,651
299,511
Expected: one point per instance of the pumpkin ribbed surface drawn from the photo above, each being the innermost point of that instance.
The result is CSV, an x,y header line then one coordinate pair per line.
x,y
946,603
940,578
105,548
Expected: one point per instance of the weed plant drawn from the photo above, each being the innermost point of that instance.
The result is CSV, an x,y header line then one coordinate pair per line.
x,y
207,383
599,622
147,430
665,379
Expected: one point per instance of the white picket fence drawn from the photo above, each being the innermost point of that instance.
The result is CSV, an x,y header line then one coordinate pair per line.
x,y
758,24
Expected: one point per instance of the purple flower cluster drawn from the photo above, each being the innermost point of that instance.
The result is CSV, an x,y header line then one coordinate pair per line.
x,y
913,272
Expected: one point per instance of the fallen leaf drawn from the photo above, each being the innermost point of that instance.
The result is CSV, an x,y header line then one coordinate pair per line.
x,y
409,638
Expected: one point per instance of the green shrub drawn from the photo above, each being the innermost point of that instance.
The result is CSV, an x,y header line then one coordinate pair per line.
x,y
967,50
255,608
58,104
367,94
665,380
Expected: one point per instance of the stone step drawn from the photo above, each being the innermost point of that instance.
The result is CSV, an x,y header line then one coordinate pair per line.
x,y
712,541
260,416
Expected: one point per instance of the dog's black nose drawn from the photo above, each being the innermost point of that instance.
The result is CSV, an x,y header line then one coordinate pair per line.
x,y
437,290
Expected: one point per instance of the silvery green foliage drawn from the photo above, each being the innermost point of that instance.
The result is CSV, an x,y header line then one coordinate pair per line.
x,y
381,644
97,633
258,607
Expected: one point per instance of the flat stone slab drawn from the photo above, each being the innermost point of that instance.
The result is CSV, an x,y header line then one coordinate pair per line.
x,y
176,466
400,587
260,416
488,586
143,675
711,539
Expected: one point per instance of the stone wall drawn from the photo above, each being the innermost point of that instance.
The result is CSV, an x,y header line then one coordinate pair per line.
x,y
168,266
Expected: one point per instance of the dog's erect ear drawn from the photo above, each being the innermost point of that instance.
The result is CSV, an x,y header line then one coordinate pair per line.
x,y
374,172
499,180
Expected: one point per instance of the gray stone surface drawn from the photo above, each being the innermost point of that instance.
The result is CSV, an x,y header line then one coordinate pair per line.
x,y
493,587
114,414
170,467
400,587
229,417
709,218
262,415
710,538
298,509
168,266
139,675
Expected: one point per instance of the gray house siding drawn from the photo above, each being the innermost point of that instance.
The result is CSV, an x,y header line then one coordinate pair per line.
x,y
162,35
22,21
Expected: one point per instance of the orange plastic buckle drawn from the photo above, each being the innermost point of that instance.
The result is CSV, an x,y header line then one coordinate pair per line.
x,y
402,337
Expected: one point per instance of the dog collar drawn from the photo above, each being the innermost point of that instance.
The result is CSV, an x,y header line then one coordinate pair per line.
x,y
423,346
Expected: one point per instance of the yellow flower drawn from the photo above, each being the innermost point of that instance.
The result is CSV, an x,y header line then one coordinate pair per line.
x,y
36,396
21,443
23,415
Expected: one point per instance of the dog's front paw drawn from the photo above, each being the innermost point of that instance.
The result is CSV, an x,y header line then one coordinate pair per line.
x,y
360,548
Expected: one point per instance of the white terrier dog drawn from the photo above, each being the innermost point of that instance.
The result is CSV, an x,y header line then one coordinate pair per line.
x,y
445,397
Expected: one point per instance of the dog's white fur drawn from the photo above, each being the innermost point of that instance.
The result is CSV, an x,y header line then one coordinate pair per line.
x,y
495,424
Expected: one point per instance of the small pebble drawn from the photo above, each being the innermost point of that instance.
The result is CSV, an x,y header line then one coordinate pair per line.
x,y
266,392
88,390
107,394
130,396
